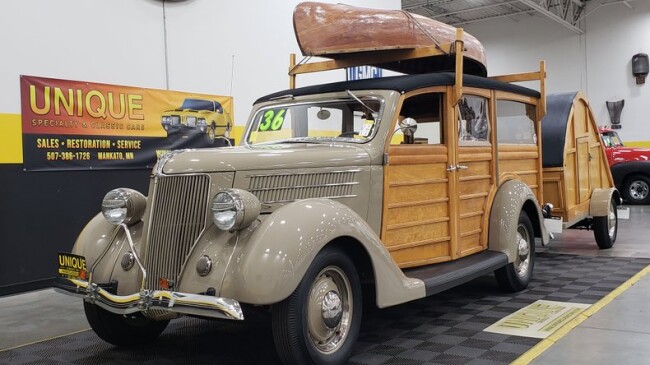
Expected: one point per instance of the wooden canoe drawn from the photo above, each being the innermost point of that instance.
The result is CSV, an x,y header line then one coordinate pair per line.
x,y
340,32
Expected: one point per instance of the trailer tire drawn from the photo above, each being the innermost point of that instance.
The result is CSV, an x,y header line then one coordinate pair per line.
x,y
606,228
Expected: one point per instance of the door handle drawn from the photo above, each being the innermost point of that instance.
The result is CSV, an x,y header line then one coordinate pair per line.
x,y
457,167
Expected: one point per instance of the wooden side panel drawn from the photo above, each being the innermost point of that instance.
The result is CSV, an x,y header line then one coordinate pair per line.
x,y
474,185
523,161
585,166
582,169
554,190
416,224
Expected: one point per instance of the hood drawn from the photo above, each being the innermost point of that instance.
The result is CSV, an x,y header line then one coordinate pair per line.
x,y
624,154
267,157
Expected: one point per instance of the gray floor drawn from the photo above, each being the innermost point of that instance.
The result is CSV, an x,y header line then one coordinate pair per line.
x,y
620,332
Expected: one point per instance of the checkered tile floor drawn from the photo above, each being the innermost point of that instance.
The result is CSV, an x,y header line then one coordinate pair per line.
x,y
444,329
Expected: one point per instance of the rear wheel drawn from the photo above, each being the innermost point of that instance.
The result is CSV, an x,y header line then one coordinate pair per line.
x,y
516,275
319,322
606,228
123,330
636,189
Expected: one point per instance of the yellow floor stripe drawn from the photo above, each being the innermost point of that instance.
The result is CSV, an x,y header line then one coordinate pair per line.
x,y
45,339
544,344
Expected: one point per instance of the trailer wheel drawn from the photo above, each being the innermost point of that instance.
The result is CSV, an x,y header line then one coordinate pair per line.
x,y
516,275
123,330
319,322
606,228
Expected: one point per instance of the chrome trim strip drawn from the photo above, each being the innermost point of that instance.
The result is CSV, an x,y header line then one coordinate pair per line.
x,y
304,173
320,197
303,186
194,304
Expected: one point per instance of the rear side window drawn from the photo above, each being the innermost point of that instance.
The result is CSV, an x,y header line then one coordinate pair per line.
x,y
473,122
516,122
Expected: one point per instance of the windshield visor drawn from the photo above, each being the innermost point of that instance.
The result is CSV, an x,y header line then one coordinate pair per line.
x,y
346,120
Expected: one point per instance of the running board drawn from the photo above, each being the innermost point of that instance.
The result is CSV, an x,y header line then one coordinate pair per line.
x,y
446,275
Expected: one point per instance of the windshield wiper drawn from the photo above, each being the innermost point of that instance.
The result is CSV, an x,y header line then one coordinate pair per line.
x,y
361,102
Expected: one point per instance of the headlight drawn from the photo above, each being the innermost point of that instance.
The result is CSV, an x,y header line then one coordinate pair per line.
x,y
166,119
123,206
234,209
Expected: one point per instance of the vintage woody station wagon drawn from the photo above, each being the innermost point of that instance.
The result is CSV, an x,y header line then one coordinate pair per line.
x,y
384,190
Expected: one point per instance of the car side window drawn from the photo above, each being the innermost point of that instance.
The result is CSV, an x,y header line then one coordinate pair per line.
x,y
516,122
426,109
473,119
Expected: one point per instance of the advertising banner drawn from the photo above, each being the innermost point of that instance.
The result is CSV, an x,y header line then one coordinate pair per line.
x,y
76,125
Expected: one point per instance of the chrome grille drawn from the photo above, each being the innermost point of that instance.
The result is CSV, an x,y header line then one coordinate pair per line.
x,y
280,188
176,119
178,217
190,121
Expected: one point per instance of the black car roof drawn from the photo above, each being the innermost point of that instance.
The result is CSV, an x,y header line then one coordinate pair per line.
x,y
404,84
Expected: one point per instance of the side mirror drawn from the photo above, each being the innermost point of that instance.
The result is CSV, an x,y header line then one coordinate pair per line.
x,y
408,126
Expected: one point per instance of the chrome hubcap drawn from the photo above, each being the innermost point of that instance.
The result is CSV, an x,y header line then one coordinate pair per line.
x,y
639,190
329,311
523,252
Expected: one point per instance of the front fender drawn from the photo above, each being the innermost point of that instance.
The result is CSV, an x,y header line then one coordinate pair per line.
x,y
97,236
512,197
270,263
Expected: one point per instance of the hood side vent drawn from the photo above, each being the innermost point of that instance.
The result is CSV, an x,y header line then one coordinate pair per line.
x,y
284,188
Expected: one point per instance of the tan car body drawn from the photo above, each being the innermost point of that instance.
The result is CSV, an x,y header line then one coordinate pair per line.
x,y
251,270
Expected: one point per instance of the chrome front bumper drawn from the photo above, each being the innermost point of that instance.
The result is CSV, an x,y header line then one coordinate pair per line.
x,y
194,304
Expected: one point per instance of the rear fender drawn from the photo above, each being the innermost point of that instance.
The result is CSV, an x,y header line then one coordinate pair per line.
x,y
269,263
513,197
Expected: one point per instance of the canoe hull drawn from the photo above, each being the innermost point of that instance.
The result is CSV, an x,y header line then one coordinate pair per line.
x,y
340,31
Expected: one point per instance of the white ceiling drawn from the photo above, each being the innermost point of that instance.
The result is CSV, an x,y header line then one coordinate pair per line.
x,y
568,13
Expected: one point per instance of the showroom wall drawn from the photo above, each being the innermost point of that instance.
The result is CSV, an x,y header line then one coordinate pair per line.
x,y
238,48
598,62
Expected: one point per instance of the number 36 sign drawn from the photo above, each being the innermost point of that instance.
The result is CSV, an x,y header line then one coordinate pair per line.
x,y
272,120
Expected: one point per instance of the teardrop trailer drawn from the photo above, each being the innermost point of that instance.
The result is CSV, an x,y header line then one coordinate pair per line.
x,y
389,190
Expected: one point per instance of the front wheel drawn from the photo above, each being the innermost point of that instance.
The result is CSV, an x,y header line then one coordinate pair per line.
x,y
606,228
123,330
516,275
636,190
319,322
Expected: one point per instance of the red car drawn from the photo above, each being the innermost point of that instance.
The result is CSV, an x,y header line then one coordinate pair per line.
x,y
630,168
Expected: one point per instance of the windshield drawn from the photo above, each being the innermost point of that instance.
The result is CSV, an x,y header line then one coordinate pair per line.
x,y
198,104
611,139
345,120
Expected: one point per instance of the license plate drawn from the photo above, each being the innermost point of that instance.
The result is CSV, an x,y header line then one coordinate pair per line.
x,y
72,266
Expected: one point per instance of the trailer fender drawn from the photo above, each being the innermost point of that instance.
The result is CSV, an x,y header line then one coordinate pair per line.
x,y
600,199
